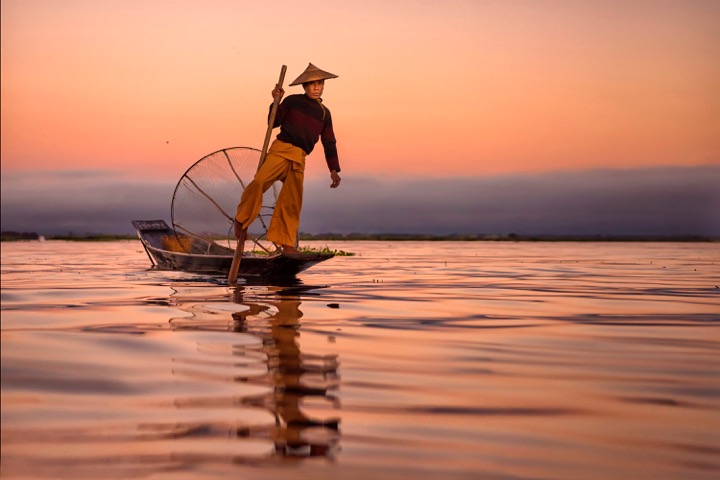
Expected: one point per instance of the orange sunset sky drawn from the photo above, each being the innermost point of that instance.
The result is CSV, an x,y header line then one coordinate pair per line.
x,y
452,116
427,88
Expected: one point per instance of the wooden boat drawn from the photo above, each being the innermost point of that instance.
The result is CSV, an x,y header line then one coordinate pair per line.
x,y
168,250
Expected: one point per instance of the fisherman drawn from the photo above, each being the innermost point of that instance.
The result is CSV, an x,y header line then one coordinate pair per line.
x,y
303,120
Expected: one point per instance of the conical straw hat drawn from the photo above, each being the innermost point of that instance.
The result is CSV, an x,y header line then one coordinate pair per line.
x,y
311,74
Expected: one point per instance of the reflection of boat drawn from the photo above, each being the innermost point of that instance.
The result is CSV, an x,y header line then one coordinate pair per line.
x,y
169,250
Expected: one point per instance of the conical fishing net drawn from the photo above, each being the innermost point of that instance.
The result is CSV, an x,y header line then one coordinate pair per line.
x,y
206,198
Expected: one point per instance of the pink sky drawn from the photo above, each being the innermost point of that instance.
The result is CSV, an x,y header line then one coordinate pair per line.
x,y
430,88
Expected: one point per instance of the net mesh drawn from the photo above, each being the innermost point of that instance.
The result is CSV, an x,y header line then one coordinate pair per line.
x,y
206,198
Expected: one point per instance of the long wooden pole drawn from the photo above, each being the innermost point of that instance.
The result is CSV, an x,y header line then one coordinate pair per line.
x,y
237,257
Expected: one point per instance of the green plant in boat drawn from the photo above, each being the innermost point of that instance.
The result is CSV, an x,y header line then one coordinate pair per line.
x,y
326,249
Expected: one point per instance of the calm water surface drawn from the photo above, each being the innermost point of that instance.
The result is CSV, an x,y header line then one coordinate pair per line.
x,y
433,360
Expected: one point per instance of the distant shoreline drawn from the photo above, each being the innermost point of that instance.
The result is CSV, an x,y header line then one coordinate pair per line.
x,y
513,238
24,236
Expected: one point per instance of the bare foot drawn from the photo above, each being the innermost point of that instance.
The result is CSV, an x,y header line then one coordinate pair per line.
x,y
289,249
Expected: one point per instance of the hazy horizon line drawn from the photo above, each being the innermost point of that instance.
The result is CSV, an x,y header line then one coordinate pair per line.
x,y
637,201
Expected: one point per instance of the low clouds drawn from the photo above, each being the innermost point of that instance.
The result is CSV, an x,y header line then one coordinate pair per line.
x,y
658,201
653,201
63,202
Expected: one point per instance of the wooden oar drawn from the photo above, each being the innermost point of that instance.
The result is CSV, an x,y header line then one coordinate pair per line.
x,y
235,266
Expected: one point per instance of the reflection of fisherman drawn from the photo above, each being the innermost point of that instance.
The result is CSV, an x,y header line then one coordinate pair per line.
x,y
289,369
303,120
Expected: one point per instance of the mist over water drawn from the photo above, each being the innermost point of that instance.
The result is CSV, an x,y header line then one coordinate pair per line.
x,y
642,201
449,360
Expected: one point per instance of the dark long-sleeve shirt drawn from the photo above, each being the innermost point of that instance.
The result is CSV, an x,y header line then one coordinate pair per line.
x,y
303,121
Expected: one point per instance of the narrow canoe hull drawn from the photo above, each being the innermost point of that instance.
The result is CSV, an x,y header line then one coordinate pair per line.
x,y
218,259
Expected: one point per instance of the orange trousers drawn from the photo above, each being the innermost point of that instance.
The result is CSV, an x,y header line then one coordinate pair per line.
x,y
284,162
